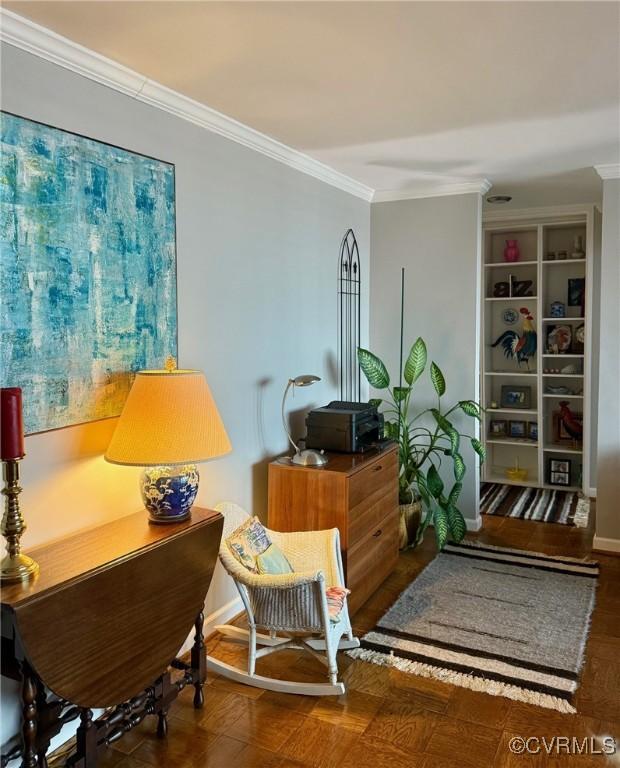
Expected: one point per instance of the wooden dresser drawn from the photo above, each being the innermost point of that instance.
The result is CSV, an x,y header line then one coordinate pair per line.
x,y
101,625
356,493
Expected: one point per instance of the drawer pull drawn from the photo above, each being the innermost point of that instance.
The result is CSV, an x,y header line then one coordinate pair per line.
x,y
376,534
377,468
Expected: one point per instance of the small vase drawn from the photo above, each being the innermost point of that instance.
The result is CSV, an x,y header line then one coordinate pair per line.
x,y
511,251
410,517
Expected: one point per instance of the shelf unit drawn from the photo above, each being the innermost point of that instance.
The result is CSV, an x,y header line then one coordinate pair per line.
x,y
538,232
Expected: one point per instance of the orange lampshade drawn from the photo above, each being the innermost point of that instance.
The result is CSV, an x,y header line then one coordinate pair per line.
x,y
169,418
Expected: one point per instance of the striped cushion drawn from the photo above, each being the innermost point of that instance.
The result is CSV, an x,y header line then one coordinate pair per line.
x,y
335,601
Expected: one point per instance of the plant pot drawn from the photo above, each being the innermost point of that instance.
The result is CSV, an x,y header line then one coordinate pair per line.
x,y
410,517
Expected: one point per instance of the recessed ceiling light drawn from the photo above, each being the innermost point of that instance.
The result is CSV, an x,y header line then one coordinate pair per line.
x,y
498,199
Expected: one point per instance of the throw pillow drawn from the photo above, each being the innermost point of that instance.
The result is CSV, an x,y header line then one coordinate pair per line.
x,y
248,541
273,560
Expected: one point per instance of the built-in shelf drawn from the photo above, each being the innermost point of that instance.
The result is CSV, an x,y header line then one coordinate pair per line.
x,y
549,487
494,477
544,232
516,411
524,442
555,262
511,264
564,397
556,448
511,298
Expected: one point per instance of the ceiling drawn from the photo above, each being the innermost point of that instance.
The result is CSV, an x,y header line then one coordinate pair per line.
x,y
402,96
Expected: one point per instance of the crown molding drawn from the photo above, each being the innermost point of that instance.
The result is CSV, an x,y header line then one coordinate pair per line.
x,y
479,186
30,37
609,171
503,214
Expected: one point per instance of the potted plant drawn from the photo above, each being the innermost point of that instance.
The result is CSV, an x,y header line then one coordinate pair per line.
x,y
425,440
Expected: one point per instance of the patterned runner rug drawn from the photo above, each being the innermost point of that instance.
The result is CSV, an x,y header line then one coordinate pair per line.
x,y
503,621
542,504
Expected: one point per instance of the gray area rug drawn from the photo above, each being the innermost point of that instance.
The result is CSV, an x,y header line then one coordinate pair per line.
x,y
503,621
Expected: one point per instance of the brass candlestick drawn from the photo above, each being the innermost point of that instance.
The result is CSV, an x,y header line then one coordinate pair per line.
x,y
15,566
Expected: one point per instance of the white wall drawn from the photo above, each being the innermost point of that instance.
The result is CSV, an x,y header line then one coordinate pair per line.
x,y
257,252
437,240
608,450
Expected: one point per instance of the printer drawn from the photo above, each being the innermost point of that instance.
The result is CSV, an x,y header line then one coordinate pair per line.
x,y
345,427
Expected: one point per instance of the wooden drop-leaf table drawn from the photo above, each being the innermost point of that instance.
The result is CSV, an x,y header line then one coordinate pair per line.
x,y
100,627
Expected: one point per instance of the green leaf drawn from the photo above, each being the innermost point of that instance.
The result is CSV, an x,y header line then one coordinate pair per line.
x,y
391,430
434,481
438,380
459,466
400,393
375,402
442,526
416,362
373,369
456,521
454,494
455,440
441,420
479,448
470,408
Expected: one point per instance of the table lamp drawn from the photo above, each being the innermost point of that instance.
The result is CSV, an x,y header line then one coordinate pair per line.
x,y
169,423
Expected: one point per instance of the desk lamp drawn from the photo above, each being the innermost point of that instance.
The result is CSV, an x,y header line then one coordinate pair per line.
x,y
309,457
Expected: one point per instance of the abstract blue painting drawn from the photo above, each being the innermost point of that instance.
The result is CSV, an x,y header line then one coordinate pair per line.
x,y
87,271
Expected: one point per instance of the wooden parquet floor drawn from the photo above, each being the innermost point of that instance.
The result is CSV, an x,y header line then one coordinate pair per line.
x,y
388,718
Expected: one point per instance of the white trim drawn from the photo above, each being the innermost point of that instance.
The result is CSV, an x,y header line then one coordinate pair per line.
x,y
222,615
605,545
591,493
543,212
608,171
474,525
39,41
479,186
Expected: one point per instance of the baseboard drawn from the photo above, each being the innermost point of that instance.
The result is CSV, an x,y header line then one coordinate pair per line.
x,y
220,616
606,545
591,493
473,525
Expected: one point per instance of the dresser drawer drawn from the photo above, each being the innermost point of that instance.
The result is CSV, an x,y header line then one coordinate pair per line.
x,y
374,481
371,560
369,514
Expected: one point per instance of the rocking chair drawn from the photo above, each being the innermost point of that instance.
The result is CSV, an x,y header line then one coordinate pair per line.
x,y
294,605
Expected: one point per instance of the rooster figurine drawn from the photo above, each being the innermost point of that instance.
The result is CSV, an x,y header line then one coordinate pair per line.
x,y
572,424
520,348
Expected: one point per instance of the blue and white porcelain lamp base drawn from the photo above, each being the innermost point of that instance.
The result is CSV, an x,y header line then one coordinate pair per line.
x,y
169,492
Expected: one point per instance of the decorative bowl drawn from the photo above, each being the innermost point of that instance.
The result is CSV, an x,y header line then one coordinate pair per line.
x,y
515,473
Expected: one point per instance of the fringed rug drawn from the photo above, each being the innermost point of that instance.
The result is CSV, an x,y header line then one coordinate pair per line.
x,y
502,621
541,504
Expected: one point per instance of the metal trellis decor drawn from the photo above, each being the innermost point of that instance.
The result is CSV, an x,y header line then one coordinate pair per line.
x,y
349,322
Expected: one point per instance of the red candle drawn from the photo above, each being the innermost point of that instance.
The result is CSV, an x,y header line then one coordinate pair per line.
x,y
11,424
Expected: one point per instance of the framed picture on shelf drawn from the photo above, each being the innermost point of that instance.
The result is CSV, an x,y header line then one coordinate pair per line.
x,y
579,338
517,429
559,471
532,430
498,428
514,396
576,291
558,339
